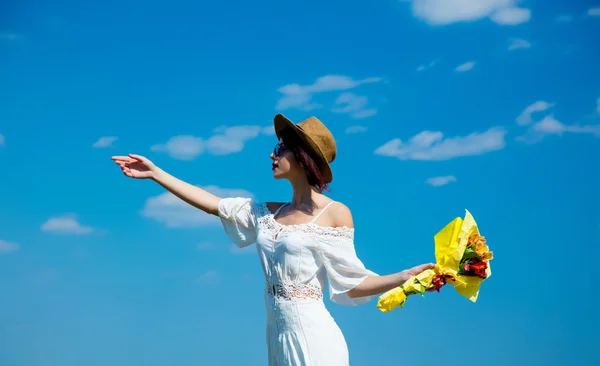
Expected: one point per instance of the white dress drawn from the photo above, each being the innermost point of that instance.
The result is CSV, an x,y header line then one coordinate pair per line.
x,y
297,260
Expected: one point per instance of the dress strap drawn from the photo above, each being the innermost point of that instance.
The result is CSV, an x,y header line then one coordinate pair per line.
x,y
277,211
320,213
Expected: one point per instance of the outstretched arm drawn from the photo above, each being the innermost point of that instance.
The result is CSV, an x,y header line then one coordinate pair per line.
x,y
139,167
374,285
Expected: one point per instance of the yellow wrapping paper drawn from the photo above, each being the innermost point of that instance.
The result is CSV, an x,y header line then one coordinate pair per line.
x,y
450,245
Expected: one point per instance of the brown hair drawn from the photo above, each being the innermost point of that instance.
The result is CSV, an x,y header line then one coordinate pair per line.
x,y
313,173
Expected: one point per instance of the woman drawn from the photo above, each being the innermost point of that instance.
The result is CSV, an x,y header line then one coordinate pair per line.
x,y
301,244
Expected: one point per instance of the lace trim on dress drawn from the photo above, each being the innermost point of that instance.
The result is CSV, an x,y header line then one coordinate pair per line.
x,y
289,291
267,223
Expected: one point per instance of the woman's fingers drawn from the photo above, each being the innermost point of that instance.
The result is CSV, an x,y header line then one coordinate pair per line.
x,y
426,266
138,157
121,158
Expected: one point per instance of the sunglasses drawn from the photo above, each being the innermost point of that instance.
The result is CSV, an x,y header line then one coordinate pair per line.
x,y
279,149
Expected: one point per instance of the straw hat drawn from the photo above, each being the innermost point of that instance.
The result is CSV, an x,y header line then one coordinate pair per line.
x,y
317,139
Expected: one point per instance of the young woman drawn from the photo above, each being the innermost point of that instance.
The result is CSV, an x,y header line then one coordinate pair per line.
x,y
302,244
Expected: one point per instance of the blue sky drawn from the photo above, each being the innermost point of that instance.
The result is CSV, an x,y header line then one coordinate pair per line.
x,y
437,106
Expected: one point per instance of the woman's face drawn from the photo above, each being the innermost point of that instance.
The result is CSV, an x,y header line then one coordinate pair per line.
x,y
284,164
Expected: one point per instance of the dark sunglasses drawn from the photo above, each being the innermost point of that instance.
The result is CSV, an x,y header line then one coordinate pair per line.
x,y
279,149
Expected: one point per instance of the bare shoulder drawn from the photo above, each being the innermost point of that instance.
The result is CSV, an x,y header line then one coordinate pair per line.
x,y
341,215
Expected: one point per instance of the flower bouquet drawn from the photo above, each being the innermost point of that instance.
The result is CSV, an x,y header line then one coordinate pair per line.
x,y
462,259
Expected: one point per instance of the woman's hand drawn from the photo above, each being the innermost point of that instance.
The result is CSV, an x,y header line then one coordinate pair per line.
x,y
418,269
136,166
408,273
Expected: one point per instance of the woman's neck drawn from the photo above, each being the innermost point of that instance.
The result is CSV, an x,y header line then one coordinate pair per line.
x,y
304,196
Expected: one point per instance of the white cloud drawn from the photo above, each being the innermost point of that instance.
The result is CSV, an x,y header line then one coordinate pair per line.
x,y
8,247
182,147
354,105
300,96
1,139
440,181
551,126
594,12
427,66
105,141
231,139
443,12
268,130
466,66
66,224
430,145
525,117
356,129
517,43
512,16
225,140
564,18
209,277
175,213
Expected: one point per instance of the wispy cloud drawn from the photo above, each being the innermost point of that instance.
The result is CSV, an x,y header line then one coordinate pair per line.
x,y
594,12
105,141
551,126
300,96
268,130
1,139
465,67
228,140
566,18
430,145
182,147
66,224
525,117
518,43
225,140
443,12
440,181
353,105
512,16
356,129
209,277
171,211
427,66
8,247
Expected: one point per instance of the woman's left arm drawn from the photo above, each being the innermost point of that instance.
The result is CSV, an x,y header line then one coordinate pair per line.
x,y
374,285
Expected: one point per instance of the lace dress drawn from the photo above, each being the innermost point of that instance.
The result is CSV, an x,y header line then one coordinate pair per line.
x,y
297,261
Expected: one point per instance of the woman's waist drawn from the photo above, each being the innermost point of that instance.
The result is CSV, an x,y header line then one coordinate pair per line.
x,y
293,291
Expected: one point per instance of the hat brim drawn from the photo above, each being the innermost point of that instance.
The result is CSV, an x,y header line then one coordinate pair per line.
x,y
281,123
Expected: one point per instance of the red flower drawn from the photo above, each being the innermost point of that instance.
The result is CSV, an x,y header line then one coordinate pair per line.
x,y
479,269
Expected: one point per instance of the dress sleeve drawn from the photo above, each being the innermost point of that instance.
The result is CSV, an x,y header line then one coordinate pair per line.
x,y
343,268
238,216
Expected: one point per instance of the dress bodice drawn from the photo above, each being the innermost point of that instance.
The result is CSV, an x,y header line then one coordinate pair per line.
x,y
298,260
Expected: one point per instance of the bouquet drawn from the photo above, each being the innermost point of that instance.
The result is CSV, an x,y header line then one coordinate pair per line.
x,y
462,259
